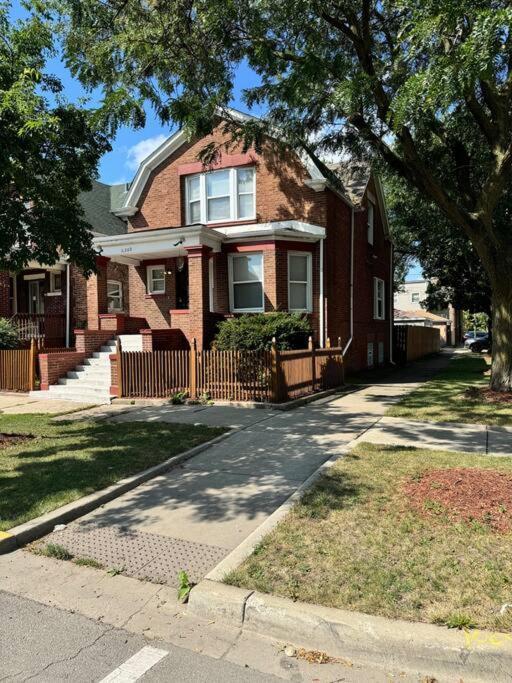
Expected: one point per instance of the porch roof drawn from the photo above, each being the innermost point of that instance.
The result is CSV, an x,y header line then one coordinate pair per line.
x,y
133,247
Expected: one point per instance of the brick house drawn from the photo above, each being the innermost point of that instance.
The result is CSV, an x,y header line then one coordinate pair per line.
x,y
182,247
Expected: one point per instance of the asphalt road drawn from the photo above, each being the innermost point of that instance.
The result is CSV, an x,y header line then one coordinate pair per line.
x,y
40,643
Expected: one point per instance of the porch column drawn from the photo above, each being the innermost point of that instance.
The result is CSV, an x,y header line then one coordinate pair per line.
x,y
199,304
97,293
5,305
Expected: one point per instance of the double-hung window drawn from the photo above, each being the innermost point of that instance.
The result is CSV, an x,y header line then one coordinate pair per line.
x,y
217,196
370,221
114,296
299,281
156,279
379,308
415,297
246,282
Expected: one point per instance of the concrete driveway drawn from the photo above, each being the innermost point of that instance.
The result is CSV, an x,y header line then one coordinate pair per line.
x,y
12,403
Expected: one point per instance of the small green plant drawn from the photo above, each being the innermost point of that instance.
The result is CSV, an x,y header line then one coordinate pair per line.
x,y
205,398
88,562
9,338
115,571
455,620
56,551
184,586
178,398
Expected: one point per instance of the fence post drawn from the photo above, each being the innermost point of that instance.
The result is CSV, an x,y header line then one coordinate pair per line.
x,y
193,369
275,380
311,347
32,368
119,368
328,343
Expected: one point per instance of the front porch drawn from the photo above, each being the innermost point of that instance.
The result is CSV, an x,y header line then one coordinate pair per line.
x,y
36,301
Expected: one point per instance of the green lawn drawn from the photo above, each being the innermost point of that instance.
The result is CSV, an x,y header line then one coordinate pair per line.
x,y
356,542
443,398
68,460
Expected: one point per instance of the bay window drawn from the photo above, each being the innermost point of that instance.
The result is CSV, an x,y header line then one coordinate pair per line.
x,y
299,281
217,196
379,309
246,282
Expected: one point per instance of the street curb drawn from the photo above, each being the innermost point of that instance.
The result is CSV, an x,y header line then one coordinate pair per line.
x,y
40,526
426,648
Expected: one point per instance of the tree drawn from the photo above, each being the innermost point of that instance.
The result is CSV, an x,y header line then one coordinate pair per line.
x,y
49,152
421,233
425,85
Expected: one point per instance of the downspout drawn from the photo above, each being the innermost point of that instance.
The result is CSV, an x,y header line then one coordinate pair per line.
x,y
68,299
391,303
351,285
321,297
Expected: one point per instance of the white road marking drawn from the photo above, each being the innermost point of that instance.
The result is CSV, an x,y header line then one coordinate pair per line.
x,y
136,666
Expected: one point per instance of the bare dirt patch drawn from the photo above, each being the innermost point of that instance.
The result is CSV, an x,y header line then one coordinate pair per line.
x,y
464,494
488,395
7,440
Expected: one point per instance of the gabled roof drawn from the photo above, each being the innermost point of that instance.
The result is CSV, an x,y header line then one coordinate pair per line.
x,y
97,205
417,314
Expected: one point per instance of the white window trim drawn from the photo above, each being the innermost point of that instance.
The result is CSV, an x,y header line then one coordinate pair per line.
x,y
149,279
370,225
376,316
233,196
53,291
413,294
309,283
241,282
120,297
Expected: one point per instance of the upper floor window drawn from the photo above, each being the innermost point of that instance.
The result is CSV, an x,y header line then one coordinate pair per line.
x,y
246,282
114,296
55,283
156,279
299,281
370,221
218,196
415,297
379,307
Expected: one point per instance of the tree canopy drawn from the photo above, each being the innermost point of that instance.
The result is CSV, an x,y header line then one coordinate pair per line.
x,y
425,85
49,152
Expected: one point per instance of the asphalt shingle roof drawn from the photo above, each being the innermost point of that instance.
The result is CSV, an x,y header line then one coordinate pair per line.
x,y
354,176
97,206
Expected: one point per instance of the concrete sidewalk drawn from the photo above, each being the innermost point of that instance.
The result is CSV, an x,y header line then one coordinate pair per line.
x,y
194,515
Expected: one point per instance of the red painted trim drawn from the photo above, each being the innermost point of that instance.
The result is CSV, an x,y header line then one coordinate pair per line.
x,y
197,250
225,161
263,245
156,261
102,260
146,331
179,311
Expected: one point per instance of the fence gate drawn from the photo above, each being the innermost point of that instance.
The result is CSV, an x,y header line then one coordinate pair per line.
x,y
400,344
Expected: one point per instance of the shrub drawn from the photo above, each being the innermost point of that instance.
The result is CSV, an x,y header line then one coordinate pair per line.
x,y
9,338
255,332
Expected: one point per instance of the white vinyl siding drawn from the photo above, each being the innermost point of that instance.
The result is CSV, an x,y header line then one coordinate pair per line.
x,y
218,196
299,282
156,279
379,294
246,283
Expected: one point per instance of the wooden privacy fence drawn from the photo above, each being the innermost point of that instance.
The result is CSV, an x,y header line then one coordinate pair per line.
x,y
263,376
415,341
18,369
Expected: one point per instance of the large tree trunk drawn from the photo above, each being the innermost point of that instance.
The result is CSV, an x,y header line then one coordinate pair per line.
x,y
501,369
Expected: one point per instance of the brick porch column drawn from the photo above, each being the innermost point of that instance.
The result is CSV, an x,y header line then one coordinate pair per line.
x,y
5,305
97,293
198,296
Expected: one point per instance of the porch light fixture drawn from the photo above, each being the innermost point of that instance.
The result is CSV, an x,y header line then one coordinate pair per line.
x,y
180,241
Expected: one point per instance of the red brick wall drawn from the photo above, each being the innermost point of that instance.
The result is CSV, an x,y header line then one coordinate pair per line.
x,y
164,340
52,366
88,341
280,190
5,308
78,297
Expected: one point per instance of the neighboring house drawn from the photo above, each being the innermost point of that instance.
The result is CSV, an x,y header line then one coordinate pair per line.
x,y
183,247
424,318
410,310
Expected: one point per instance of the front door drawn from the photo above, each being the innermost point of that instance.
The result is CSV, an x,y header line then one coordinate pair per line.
x,y
35,297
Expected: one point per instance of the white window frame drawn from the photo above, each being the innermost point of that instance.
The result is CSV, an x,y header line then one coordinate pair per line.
x,y
370,221
233,196
413,294
231,258
308,282
376,298
150,280
120,297
53,290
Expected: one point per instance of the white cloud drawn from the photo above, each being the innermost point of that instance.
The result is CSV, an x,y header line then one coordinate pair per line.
x,y
142,149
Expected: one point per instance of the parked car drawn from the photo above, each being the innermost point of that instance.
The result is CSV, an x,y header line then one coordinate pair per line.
x,y
471,335
480,344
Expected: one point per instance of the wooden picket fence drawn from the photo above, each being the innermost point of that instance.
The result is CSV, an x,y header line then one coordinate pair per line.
x,y
411,342
18,369
262,376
